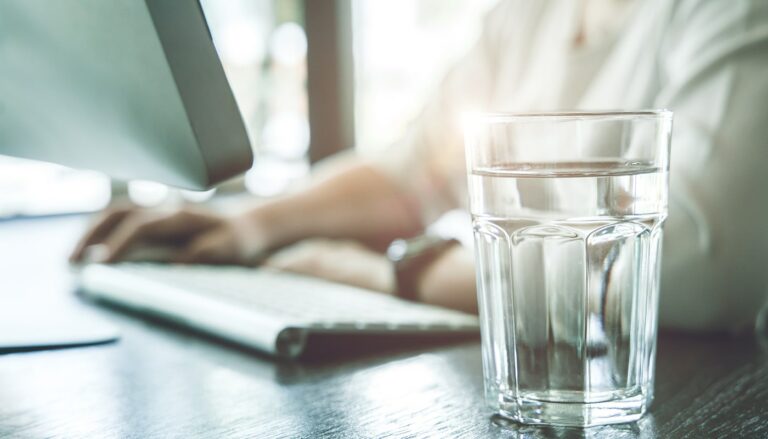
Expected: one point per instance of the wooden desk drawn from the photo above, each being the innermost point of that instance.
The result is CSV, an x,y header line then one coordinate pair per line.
x,y
160,381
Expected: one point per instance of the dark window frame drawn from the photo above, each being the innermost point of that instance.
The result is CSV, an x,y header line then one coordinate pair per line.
x,y
330,76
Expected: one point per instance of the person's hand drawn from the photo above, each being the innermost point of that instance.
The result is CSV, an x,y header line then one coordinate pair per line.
x,y
187,235
341,261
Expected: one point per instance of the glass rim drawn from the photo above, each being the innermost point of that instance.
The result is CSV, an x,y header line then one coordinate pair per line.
x,y
501,117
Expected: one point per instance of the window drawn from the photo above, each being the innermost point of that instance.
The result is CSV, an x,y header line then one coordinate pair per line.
x,y
31,188
402,47
263,48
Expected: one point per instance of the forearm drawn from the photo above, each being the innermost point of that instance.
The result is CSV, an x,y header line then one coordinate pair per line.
x,y
352,201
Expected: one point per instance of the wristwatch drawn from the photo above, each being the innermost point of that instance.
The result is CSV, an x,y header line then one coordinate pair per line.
x,y
411,257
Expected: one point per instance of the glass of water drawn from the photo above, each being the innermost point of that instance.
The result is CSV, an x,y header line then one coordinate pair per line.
x,y
567,212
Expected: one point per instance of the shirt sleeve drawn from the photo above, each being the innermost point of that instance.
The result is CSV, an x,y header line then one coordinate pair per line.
x,y
714,71
429,157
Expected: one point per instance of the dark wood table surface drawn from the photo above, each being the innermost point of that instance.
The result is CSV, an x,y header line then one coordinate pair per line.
x,y
162,381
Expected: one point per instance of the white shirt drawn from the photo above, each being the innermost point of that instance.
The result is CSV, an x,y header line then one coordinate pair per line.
x,y
706,60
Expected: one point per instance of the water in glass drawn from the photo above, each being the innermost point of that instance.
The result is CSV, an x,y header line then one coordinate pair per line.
x,y
568,259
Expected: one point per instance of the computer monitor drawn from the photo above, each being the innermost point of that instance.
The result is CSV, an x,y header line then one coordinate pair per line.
x,y
132,88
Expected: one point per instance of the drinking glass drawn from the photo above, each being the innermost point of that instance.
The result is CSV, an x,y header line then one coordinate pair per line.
x,y
567,212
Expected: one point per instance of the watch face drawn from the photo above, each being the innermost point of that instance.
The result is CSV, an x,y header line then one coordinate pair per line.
x,y
398,250
402,249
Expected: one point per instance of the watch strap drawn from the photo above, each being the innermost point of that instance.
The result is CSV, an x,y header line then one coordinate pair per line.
x,y
411,257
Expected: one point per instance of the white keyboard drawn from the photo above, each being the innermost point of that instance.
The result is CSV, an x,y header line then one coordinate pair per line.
x,y
262,308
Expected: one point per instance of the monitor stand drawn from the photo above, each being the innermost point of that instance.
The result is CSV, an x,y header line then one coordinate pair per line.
x,y
31,325
37,307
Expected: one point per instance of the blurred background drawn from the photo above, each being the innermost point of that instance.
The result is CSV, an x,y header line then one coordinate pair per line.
x,y
311,77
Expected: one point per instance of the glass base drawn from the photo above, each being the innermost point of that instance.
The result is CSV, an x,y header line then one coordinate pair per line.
x,y
573,414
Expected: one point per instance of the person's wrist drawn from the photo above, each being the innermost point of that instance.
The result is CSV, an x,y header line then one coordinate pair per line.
x,y
254,234
411,258
449,280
